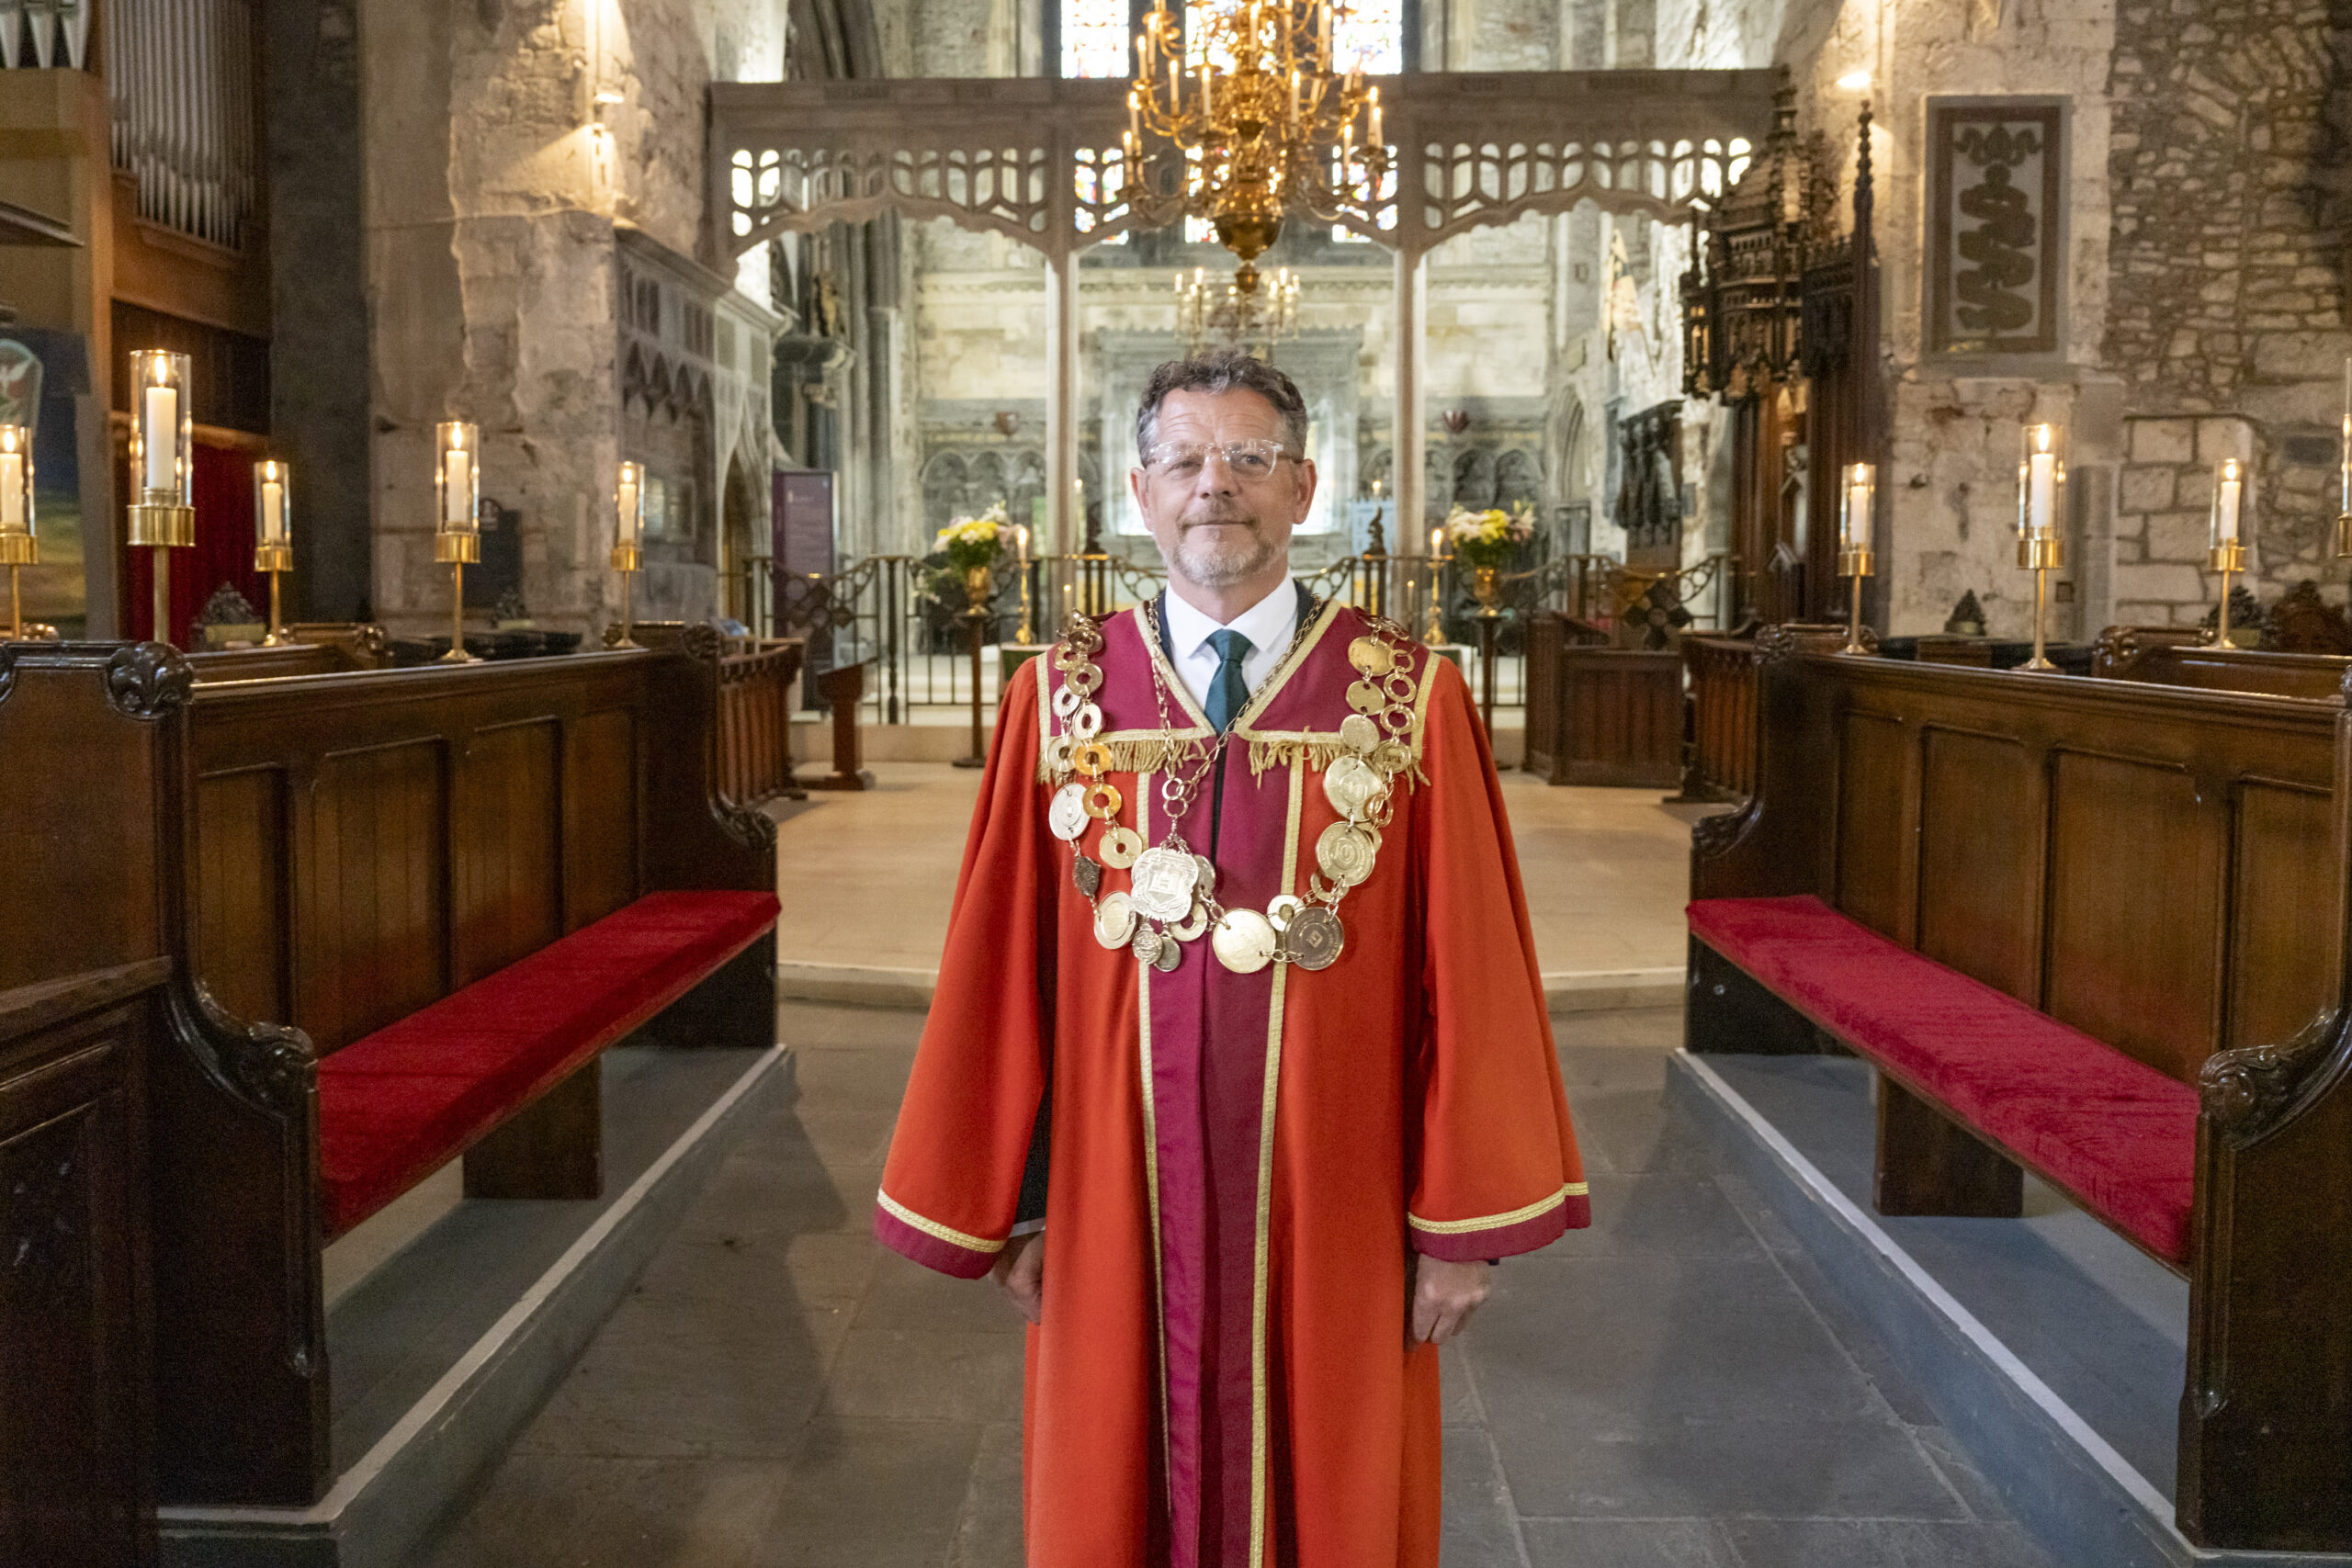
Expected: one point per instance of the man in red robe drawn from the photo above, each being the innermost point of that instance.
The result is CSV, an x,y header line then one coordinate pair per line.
x,y
1245,1169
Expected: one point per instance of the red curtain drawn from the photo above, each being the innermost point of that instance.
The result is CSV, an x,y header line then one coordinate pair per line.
x,y
223,552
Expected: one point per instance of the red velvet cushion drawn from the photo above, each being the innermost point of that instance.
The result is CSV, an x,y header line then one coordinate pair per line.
x,y
400,1103
2118,1135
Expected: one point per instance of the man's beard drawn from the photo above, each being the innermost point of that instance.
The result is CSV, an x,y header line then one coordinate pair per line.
x,y
1220,560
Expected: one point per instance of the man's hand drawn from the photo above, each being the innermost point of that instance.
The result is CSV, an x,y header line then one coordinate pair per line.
x,y
1445,1295
1020,1272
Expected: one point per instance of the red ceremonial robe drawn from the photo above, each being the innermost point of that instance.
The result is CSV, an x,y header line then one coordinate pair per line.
x,y
1240,1164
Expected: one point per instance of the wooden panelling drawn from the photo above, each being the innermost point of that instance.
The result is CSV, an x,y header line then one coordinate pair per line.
x,y
2285,910
1980,859
240,890
75,1476
2135,920
373,939
1873,841
507,848
599,815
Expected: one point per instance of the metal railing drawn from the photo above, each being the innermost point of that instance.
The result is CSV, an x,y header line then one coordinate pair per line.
x,y
909,620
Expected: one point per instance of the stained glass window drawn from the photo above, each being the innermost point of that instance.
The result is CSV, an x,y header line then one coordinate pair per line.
x,y
1371,32
1095,40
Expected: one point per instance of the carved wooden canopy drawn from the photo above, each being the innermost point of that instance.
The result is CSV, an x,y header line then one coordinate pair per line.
x,y
1037,158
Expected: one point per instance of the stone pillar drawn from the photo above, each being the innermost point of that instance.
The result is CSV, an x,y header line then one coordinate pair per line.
x,y
1064,526
1410,466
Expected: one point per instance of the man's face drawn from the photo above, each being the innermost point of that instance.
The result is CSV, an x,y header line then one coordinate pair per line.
x,y
1218,527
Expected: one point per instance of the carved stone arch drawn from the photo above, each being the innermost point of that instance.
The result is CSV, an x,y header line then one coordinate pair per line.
x,y
1474,479
943,488
1518,479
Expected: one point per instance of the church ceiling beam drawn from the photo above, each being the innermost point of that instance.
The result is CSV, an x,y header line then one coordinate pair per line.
x,y
1036,159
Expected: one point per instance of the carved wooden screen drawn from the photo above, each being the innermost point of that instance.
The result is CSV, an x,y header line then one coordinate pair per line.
x,y
1649,502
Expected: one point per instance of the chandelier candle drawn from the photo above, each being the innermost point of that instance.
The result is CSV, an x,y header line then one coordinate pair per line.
x,y
1858,489
18,548
2041,550
273,538
162,441
456,536
2226,552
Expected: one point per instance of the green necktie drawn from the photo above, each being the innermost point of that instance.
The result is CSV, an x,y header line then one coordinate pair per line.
x,y
1227,689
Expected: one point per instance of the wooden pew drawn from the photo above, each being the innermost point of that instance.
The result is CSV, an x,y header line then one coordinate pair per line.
x,y
2175,656
87,989
1598,714
362,857
323,647
2159,876
755,722
1719,673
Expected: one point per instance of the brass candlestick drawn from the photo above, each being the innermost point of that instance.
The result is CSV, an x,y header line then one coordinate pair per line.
x,y
628,561
18,546
1433,635
162,439
628,529
1854,557
456,534
275,560
2042,492
2225,551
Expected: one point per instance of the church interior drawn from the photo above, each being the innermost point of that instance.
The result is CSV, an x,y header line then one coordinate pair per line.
x,y
519,517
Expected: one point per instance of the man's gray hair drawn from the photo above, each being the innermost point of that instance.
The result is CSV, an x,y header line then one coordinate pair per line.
x,y
1222,370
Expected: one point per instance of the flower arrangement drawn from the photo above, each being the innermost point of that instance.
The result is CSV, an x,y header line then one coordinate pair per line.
x,y
973,544
1485,539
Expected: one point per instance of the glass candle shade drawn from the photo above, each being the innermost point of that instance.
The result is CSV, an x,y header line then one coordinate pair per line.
x,y
17,546
2041,497
629,517
2232,503
457,491
163,449
273,516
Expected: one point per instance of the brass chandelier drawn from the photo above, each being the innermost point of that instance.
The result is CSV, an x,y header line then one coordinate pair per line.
x,y
1248,118
1231,315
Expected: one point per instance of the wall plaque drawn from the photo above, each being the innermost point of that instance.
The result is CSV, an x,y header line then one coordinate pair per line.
x,y
1996,223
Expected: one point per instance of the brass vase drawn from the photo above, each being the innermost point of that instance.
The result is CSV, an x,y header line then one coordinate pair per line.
x,y
978,582
1486,584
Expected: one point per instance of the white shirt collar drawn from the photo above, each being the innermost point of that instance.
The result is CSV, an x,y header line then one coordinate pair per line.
x,y
1269,624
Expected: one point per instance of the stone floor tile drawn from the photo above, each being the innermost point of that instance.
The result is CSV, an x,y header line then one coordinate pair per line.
x,y
1627,1543
1716,1469
1481,1529
1879,1543
1631,1130
904,1295
566,1510
1612,1342
989,1533
871,1494
1655,1030
900,1375
1663,1214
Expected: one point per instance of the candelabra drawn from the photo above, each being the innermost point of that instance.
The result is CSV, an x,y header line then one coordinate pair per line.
x,y
1249,116
1241,317
1433,635
274,537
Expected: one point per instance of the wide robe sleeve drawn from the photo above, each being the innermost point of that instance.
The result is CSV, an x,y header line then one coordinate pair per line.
x,y
1498,1171
951,1184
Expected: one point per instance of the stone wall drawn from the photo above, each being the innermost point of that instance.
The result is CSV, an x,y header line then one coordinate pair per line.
x,y
2229,242
495,182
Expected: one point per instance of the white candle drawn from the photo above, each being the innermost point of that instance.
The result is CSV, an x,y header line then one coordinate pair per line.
x,y
1858,511
12,488
1020,534
273,512
626,503
1436,537
1375,138
456,496
2226,503
161,437
2040,484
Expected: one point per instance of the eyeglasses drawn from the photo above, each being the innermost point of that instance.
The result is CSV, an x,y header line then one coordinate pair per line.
x,y
1246,459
